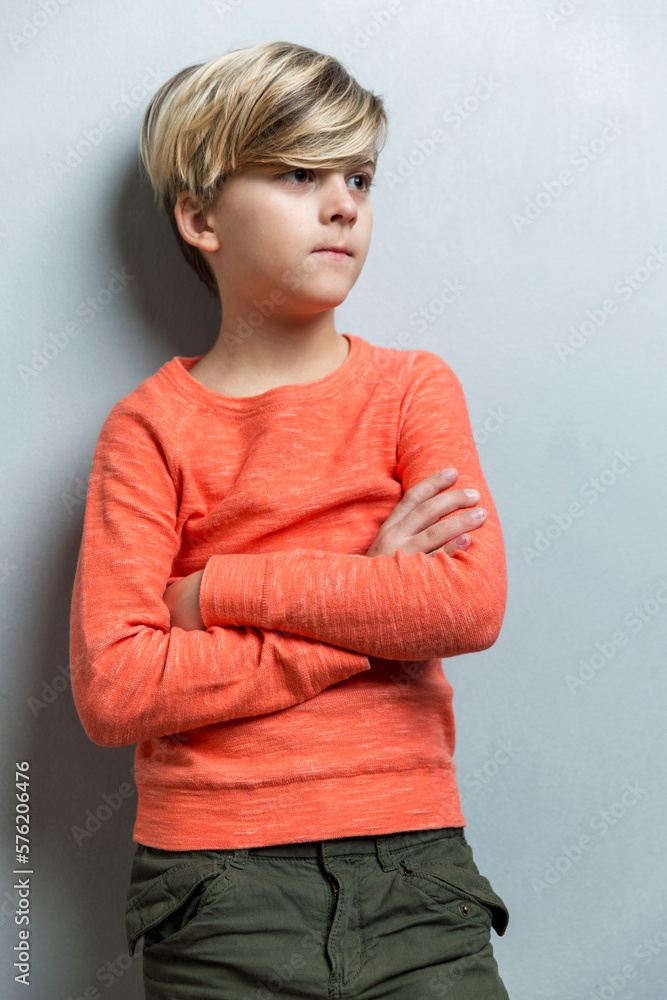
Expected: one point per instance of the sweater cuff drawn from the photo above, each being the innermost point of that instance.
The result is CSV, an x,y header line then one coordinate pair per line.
x,y
232,589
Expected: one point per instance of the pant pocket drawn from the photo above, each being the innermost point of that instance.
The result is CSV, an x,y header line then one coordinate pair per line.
x,y
447,873
162,906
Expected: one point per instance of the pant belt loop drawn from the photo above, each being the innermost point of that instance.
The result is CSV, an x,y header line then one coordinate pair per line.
x,y
384,854
239,857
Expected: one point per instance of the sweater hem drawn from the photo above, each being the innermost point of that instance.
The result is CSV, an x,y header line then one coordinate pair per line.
x,y
315,809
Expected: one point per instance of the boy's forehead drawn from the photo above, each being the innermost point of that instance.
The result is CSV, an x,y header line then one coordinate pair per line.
x,y
353,161
363,160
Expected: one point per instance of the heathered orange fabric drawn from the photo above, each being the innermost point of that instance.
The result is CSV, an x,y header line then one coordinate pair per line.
x,y
314,705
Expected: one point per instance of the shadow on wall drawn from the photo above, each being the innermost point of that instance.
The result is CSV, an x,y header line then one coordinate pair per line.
x,y
84,823
172,302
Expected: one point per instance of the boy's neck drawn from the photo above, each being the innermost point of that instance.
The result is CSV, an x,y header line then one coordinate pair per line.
x,y
269,359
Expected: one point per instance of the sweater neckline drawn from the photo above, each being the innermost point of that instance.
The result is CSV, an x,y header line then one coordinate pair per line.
x,y
177,370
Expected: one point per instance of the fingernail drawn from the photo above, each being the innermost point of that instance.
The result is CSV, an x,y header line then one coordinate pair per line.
x,y
448,472
473,494
478,513
462,540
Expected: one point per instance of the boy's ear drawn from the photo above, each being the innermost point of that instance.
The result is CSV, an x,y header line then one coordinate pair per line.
x,y
195,225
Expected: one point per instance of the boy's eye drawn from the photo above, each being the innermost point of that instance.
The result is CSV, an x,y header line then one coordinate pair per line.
x,y
298,170
303,173
367,178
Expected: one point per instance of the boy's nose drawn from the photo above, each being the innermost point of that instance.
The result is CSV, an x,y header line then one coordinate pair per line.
x,y
337,200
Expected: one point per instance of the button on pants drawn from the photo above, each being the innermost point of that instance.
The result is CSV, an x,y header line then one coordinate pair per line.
x,y
403,916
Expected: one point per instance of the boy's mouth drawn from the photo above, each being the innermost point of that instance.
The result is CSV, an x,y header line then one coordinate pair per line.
x,y
334,251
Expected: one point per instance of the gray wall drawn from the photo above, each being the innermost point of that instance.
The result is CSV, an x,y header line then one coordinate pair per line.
x,y
542,201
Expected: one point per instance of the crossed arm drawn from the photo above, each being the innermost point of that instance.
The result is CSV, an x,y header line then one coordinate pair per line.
x,y
265,631
392,606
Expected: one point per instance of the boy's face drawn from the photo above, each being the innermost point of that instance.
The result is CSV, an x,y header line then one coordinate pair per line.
x,y
266,230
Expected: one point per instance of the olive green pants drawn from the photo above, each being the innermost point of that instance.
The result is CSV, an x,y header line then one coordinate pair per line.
x,y
406,916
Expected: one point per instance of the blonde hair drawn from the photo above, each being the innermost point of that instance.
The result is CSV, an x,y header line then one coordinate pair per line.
x,y
254,108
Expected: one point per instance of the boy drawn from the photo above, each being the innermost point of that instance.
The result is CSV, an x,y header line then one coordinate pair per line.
x,y
273,564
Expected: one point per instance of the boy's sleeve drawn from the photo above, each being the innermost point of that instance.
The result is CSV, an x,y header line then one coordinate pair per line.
x,y
134,678
406,607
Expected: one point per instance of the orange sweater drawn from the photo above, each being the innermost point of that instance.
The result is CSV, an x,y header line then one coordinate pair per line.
x,y
314,705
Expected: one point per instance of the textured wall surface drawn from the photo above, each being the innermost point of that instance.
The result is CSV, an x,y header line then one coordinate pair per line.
x,y
521,233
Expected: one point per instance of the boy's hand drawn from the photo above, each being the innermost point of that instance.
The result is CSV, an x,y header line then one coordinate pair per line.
x,y
182,599
413,524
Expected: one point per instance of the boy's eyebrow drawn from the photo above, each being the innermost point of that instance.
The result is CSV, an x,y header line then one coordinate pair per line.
x,y
355,163
279,164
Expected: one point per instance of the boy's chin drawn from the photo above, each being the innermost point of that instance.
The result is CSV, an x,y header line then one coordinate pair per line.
x,y
324,304
329,298
314,301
